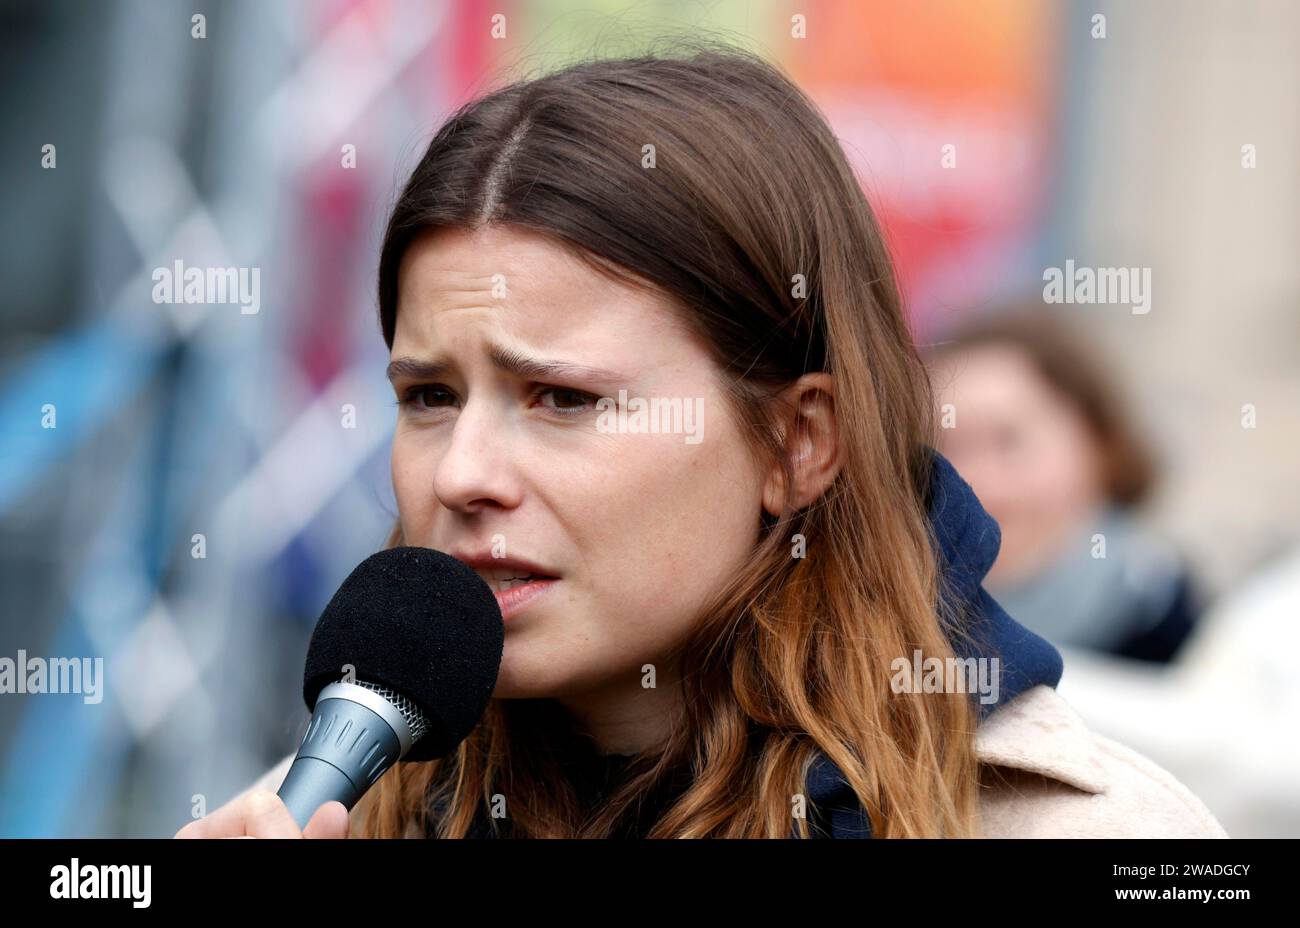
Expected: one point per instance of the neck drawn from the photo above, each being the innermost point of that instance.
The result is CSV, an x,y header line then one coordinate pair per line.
x,y
623,717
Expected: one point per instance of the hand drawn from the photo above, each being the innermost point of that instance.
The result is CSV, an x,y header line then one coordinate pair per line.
x,y
262,814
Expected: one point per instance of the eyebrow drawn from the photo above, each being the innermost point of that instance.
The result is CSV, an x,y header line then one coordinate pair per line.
x,y
508,360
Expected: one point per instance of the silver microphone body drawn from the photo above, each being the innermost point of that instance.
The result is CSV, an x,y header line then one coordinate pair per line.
x,y
357,731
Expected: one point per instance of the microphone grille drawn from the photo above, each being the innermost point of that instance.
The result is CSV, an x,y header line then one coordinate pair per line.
x,y
416,720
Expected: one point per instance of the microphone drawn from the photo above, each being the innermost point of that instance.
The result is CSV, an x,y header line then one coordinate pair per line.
x,y
401,666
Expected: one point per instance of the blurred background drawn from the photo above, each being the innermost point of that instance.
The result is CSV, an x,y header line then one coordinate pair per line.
x,y
184,485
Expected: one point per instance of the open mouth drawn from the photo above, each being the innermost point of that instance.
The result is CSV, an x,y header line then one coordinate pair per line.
x,y
515,593
502,580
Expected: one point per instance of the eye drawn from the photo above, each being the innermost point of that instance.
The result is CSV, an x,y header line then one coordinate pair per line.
x,y
565,401
427,396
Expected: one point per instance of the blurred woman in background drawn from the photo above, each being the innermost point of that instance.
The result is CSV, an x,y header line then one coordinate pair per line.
x,y
1033,420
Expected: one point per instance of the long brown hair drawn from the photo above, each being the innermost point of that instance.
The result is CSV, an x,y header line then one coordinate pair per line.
x,y
749,189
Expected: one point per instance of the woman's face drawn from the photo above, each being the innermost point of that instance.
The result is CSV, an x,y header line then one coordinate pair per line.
x,y
1025,450
491,456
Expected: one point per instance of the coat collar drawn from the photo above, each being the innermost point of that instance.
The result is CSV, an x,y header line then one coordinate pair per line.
x,y
1040,733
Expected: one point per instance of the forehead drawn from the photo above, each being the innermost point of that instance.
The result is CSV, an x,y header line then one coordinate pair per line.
x,y
995,375
525,285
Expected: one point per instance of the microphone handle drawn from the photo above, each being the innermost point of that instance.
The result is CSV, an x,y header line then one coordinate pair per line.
x,y
347,747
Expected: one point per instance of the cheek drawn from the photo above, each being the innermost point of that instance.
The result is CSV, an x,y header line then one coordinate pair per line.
x,y
412,466
673,525
1057,485
1067,459
650,529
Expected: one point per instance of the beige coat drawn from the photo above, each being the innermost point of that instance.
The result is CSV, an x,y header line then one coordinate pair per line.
x,y
1047,776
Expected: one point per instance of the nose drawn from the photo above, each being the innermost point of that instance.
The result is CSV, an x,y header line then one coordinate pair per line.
x,y
476,471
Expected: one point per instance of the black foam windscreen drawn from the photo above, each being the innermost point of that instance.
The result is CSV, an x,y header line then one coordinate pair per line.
x,y
421,622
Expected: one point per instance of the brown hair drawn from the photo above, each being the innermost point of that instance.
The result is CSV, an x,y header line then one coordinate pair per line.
x,y
749,189
1073,368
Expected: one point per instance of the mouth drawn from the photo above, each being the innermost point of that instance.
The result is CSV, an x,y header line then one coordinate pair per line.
x,y
503,580
514,592
515,582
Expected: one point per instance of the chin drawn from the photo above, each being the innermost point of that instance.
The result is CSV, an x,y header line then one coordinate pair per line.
x,y
520,684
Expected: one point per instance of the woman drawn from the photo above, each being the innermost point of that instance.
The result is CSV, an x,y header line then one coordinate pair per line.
x,y
724,645
1044,440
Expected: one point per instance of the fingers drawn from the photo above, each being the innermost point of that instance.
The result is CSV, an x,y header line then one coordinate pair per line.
x,y
267,816
262,814
257,814
329,821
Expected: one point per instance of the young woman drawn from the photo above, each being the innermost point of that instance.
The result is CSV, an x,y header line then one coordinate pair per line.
x,y
737,597
1045,441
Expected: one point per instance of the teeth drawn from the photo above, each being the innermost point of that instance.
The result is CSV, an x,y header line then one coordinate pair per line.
x,y
503,585
502,579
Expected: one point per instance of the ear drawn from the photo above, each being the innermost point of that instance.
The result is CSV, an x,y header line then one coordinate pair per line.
x,y
811,439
